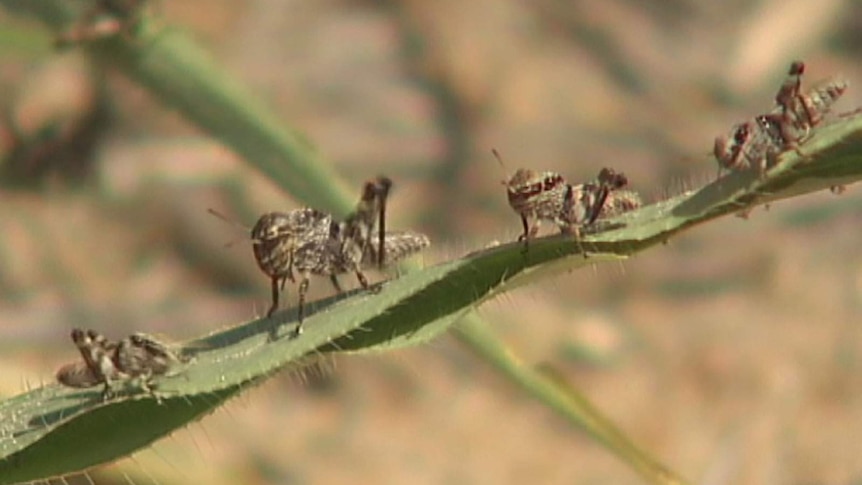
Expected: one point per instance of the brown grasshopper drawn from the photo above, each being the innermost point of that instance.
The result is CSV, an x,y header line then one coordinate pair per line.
x,y
756,143
538,196
136,357
306,241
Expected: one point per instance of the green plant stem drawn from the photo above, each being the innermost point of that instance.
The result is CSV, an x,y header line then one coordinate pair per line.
x,y
566,400
184,77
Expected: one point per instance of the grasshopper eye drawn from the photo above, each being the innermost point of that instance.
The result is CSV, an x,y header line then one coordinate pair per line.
x,y
741,134
271,226
273,232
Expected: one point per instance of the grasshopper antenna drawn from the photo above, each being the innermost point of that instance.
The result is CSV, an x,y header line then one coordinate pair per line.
x,y
502,166
383,193
231,222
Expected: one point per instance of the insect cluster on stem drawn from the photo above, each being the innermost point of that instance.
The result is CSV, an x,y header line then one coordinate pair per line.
x,y
298,244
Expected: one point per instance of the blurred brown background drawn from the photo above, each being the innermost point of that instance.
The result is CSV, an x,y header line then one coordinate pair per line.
x,y
733,353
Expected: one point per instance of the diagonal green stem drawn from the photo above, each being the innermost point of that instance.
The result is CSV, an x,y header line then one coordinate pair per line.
x,y
184,77
567,401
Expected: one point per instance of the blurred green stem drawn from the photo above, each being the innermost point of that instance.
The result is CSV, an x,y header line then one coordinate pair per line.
x,y
562,397
184,77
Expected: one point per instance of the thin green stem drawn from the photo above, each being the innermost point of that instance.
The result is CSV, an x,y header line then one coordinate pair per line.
x,y
563,398
185,78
